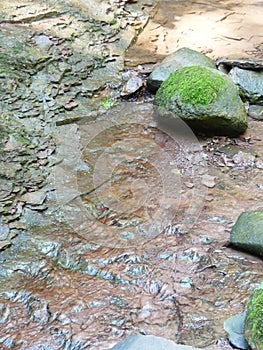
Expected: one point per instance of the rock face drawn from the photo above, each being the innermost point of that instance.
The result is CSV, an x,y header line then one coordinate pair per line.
x,y
253,327
250,84
247,233
207,100
146,342
179,59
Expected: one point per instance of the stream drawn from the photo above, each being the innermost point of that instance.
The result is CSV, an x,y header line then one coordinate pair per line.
x,y
112,225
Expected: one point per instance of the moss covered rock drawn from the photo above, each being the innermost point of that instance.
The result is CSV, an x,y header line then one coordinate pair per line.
x,y
253,327
207,100
181,58
247,233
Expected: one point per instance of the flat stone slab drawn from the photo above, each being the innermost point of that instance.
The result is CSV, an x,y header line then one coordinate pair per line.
x,y
149,342
34,198
241,63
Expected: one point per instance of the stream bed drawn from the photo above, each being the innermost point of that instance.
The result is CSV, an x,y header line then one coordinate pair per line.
x,y
112,225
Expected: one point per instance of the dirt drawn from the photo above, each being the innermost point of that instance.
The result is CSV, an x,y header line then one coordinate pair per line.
x,y
217,29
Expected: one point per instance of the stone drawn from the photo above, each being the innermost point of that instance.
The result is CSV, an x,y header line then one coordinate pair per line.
x,y
208,181
253,327
4,245
228,63
206,99
256,112
6,188
34,198
250,84
133,85
234,326
4,231
180,58
42,41
146,342
13,143
244,159
247,233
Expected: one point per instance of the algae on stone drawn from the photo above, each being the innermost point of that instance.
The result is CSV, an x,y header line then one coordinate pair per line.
x,y
195,85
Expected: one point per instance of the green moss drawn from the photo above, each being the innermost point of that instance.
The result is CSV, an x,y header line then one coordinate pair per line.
x,y
194,85
255,317
107,103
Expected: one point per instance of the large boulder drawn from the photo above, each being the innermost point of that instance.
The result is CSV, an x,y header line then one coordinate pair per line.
x,y
206,99
250,84
149,342
247,233
253,327
179,59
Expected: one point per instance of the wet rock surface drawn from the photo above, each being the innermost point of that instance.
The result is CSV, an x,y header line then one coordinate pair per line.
x,y
22,171
120,278
67,286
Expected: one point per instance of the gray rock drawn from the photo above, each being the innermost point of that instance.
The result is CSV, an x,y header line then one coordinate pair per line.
x,y
250,84
256,112
180,58
6,188
4,231
208,181
234,326
228,63
5,244
34,198
247,233
42,41
206,99
149,342
132,85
